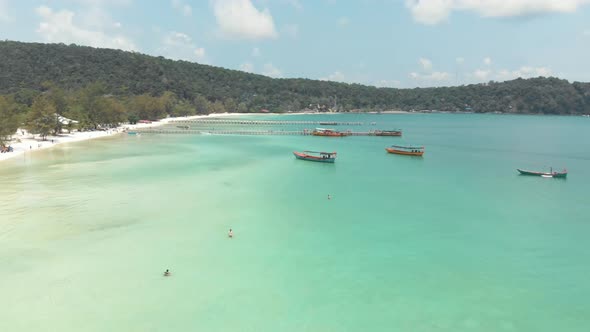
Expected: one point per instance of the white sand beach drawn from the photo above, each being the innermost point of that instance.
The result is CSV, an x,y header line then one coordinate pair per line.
x,y
25,142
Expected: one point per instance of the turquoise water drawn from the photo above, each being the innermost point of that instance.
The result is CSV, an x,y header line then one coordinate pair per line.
x,y
453,241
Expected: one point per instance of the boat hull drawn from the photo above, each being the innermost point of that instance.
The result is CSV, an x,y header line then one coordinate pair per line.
x,y
388,133
561,175
303,156
405,153
332,134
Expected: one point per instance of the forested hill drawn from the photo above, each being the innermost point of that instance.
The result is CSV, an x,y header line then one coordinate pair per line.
x,y
27,66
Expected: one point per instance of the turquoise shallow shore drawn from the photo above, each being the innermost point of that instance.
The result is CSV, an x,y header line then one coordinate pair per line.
x,y
453,241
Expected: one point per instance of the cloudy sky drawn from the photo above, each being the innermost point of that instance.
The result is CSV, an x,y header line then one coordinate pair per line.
x,y
396,43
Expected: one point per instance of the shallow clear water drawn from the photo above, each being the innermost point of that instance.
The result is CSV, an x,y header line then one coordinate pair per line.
x,y
453,241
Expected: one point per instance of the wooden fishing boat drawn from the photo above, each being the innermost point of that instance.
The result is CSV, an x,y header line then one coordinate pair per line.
x,y
324,157
328,123
183,127
328,132
550,174
406,150
388,132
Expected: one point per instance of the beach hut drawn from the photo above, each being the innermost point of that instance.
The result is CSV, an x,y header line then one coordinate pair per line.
x,y
63,120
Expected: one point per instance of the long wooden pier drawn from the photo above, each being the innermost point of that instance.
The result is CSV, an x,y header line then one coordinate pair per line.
x,y
264,122
176,131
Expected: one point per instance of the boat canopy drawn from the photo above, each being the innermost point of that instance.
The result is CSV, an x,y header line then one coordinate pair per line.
x,y
322,153
408,147
324,129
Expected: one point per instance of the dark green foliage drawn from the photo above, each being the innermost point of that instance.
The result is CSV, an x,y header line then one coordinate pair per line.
x,y
42,116
9,118
147,107
26,66
183,108
132,118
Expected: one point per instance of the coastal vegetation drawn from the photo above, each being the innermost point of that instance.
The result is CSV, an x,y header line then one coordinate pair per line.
x,y
103,87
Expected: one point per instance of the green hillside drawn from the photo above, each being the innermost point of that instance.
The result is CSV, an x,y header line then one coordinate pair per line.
x,y
26,66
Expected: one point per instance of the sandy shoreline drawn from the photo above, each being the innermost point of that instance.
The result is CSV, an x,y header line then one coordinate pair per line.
x,y
24,142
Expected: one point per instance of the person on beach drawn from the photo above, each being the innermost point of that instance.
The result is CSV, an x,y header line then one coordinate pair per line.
x,y
230,233
167,273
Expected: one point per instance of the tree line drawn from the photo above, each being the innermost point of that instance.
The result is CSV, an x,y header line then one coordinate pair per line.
x,y
92,107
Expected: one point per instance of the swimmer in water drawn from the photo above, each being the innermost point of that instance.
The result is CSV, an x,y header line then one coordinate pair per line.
x,y
167,273
230,233
329,196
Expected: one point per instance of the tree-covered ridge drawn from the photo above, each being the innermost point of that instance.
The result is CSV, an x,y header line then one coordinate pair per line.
x,y
25,67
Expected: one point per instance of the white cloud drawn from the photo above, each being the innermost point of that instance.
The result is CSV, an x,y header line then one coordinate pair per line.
x,y
426,64
343,21
292,30
487,61
336,76
4,17
295,3
523,72
180,46
187,10
199,52
482,74
436,11
247,67
429,11
96,18
460,60
241,19
434,76
182,7
388,83
60,27
438,76
103,2
270,70
255,52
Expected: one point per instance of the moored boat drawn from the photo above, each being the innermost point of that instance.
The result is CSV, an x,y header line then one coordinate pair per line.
x,y
328,132
388,132
324,157
406,150
550,174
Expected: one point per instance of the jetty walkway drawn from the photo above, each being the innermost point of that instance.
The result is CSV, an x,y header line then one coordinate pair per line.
x,y
263,122
177,131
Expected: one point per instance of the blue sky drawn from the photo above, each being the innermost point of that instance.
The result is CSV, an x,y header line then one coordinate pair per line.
x,y
396,43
